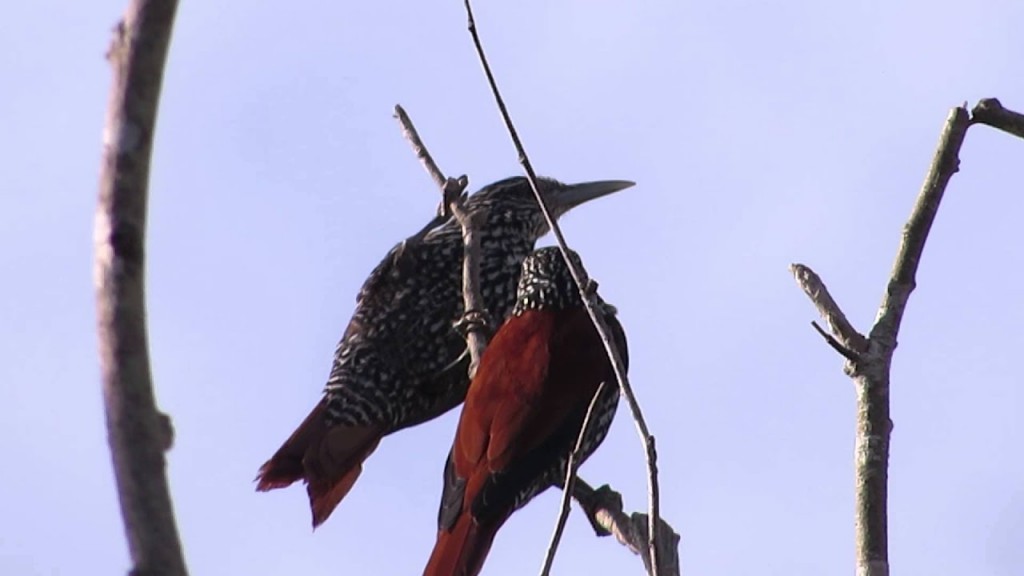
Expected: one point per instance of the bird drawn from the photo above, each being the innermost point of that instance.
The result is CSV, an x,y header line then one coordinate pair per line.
x,y
524,411
400,361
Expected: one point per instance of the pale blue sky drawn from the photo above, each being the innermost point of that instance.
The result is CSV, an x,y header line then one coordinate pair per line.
x,y
760,133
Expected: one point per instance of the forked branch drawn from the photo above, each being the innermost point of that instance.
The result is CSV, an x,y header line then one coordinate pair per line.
x,y
869,358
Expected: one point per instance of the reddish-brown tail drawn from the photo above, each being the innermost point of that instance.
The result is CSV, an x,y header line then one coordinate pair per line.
x,y
462,551
327,459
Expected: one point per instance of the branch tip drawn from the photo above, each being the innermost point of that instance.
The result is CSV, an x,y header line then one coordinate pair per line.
x,y
990,111
844,333
418,148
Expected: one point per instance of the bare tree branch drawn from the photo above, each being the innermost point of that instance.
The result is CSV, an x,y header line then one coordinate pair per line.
x,y
451,188
990,111
571,466
604,509
848,338
870,365
587,289
422,154
902,282
835,344
138,433
474,322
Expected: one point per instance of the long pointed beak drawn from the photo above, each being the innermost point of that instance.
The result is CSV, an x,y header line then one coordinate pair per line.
x,y
567,197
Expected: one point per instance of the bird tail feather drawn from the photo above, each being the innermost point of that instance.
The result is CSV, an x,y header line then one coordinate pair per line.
x,y
328,459
462,550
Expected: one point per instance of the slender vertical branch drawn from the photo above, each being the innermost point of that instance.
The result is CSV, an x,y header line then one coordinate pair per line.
x,y
871,377
571,466
587,289
422,154
902,280
474,322
451,188
869,359
138,433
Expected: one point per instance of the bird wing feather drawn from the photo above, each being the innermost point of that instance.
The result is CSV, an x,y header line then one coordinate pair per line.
x,y
523,411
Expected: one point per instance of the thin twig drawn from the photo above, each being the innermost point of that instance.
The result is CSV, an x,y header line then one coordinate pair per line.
x,y
571,466
588,300
452,189
474,323
870,368
422,154
138,432
835,344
